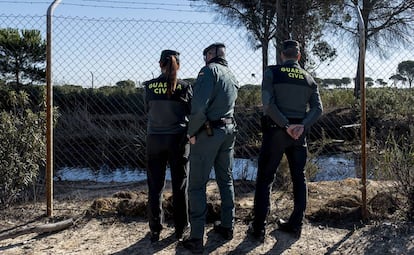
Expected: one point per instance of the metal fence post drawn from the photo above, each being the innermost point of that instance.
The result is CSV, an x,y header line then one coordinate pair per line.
x,y
49,111
363,112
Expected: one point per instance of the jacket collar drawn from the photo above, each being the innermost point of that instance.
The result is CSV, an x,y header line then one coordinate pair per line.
x,y
218,60
291,62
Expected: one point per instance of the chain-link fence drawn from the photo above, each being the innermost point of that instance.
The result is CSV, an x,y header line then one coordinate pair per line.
x,y
100,64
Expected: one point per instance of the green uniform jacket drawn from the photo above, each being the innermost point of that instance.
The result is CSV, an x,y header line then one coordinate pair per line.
x,y
290,92
214,95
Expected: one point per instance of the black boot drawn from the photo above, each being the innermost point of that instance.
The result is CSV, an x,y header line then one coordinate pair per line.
x,y
257,234
194,245
154,236
285,226
226,233
179,232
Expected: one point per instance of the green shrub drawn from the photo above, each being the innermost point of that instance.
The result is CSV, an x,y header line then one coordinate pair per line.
x,y
22,147
390,103
337,98
249,95
394,160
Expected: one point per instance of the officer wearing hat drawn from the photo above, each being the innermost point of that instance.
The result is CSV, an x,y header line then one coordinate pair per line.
x,y
167,101
211,131
291,104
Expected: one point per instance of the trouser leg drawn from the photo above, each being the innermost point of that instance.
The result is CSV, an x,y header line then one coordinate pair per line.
x,y
201,161
270,156
223,167
156,165
297,159
179,170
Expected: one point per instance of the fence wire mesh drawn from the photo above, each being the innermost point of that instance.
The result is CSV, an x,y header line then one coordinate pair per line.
x,y
100,64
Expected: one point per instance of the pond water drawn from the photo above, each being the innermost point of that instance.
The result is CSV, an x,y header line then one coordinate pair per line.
x,y
333,167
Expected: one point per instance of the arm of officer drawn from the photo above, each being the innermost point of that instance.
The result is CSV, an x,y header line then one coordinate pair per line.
x,y
202,92
269,106
315,108
145,95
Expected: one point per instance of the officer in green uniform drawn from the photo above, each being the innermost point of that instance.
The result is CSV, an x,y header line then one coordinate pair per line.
x,y
212,132
291,104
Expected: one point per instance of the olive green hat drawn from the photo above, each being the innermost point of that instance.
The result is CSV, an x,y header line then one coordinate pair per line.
x,y
290,44
214,45
167,53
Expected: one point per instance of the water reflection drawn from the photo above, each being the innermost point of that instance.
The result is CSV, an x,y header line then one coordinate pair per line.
x,y
334,167
101,175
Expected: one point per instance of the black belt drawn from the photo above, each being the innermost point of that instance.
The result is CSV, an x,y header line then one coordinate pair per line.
x,y
221,122
295,120
267,122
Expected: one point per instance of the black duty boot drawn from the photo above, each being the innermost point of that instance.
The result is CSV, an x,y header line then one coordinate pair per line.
x,y
179,232
194,245
179,235
154,236
257,234
285,226
226,233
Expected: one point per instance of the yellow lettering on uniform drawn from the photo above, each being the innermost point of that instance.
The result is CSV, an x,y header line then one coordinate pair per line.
x,y
160,90
159,87
296,75
178,86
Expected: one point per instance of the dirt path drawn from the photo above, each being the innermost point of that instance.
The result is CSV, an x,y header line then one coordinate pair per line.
x,y
122,235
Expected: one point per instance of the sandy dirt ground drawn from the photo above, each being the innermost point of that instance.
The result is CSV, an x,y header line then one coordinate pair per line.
x,y
102,226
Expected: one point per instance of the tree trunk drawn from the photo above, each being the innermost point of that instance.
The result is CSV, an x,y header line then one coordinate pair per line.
x,y
367,5
265,51
16,72
282,32
357,87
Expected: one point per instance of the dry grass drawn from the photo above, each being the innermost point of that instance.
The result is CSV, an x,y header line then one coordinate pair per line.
x,y
110,219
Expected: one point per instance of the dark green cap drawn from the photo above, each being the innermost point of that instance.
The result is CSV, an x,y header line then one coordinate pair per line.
x,y
167,53
290,44
214,45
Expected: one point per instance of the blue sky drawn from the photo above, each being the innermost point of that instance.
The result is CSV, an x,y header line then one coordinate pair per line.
x,y
181,39
146,9
157,11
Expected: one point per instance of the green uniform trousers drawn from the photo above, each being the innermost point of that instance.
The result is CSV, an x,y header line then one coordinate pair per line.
x,y
209,151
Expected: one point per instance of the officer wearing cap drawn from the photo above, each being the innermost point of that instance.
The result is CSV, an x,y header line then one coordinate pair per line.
x,y
291,104
212,135
167,101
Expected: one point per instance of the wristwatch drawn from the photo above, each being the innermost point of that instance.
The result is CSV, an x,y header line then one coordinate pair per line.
x,y
287,126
